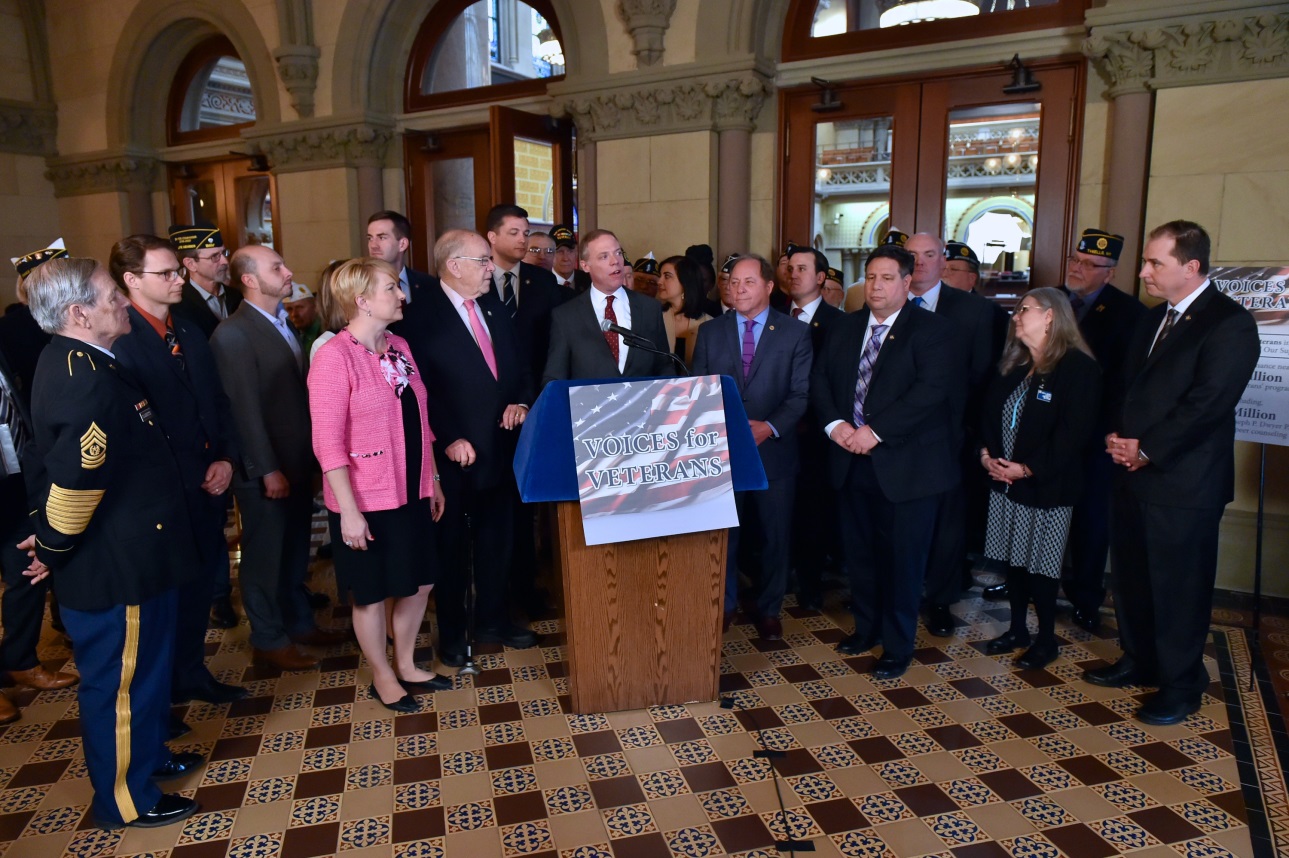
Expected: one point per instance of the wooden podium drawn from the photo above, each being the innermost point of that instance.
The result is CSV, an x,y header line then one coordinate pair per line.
x,y
642,619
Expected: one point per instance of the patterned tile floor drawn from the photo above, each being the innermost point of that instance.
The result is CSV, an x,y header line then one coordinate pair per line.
x,y
963,756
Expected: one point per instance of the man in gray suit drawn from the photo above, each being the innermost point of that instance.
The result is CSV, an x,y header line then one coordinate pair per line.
x,y
262,365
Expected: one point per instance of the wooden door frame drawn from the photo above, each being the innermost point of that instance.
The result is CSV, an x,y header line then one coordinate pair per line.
x,y
223,173
507,124
420,149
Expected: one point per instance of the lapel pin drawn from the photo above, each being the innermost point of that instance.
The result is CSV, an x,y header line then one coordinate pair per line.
x,y
770,327
1187,317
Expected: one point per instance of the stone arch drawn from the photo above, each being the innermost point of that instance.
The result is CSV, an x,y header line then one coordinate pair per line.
x,y
751,26
155,40
376,40
36,37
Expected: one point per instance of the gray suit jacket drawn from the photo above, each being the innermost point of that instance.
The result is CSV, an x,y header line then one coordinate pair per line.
x,y
578,348
269,399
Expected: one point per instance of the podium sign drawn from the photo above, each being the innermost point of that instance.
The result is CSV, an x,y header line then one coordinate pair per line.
x,y
653,458
1263,413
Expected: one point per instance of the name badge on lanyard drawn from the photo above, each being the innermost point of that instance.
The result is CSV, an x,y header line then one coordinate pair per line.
x,y
1044,395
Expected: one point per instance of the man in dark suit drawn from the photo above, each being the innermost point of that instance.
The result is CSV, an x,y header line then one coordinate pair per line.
x,y
973,326
111,526
208,298
882,388
389,237
1107,317
816,533
768,355
528,291
579,349
480,390
261,364
1189,361
170,358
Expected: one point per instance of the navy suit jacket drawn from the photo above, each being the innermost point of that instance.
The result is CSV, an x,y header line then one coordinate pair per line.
x,y
578,348
539,295
777,388
1179,401
907,404
194,308
419,284
465,401
974,323
1107,327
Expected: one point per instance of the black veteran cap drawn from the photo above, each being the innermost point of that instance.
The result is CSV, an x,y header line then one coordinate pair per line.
x,y
896,237
647,265
792,247
958,250
728,265
199,236
563,236
35,259
1101,243
835,275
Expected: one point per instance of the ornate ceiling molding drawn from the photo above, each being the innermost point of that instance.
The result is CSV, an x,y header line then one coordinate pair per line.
x,y
1195,50
28,129
297,66
324,144
647,22
668,107
102,172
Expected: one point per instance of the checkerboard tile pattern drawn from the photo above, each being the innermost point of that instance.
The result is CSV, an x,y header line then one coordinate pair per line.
x,y
963,756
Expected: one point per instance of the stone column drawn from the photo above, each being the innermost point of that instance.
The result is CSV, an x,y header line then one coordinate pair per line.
x,y
1127,176
588,203
371,191
733,194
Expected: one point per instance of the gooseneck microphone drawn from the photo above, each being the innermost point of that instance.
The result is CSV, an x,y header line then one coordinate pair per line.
x,y
636,341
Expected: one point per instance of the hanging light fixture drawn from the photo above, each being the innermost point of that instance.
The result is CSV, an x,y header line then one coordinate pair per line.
x,y
900,12
549,48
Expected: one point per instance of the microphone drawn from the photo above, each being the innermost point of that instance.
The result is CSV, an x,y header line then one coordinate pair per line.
x,y
636,341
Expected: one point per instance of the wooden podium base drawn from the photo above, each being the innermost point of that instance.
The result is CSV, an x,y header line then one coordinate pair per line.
x,y
642,619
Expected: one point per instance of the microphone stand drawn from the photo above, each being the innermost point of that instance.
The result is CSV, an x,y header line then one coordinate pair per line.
x,y
638,342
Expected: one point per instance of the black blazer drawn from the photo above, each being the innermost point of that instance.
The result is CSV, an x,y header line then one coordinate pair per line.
x,y
190,403
13,490
578,349
419,284
539,295
1107,327
110,515
974,325
907,404
1051,428
194,308
465,401
1179,401
777,388
21,342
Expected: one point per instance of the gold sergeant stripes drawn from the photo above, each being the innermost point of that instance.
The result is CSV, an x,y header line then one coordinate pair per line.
x,y
69,510
93,447
129,661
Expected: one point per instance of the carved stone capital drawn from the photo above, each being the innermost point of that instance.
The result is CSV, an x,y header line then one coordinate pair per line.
x,y
27,129
668,108
102,172
297,66
293,148
647,22
1196,50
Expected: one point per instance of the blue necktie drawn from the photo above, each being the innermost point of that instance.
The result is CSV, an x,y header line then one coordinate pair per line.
x,y
866,361
918,301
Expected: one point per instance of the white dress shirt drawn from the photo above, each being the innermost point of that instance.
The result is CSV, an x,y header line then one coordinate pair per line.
x,y
621,309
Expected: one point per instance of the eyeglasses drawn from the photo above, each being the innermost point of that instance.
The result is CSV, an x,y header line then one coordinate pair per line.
x,y
482,260
1076,262
548,251
172,274
214,257
1020,311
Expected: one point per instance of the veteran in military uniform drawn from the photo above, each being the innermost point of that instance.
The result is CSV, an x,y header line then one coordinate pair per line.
x,y
111,525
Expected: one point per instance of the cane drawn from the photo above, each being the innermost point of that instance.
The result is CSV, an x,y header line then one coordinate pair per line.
x,y
469,668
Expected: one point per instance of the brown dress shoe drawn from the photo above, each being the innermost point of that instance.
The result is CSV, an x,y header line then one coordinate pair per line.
x,y
323,637
287,657
8,712
43,680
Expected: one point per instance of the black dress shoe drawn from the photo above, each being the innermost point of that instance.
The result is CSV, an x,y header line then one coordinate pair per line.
x,y
210,691
317,601
1121,674
324,551
436,683
856,644
181,763
171,808
939,621
769,628
1162,713
405,704
1038,656
511,635
890,667
1089,621
176,729
1007,642
810,600
451,657
222,615
996,593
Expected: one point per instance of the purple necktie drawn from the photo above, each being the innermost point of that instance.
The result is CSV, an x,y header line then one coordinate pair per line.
x,y
749,346
866,361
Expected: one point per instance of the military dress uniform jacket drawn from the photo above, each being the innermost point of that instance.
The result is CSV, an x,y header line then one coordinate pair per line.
x,y
110,519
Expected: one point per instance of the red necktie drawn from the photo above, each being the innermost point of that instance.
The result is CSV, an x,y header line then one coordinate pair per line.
x,y
610,337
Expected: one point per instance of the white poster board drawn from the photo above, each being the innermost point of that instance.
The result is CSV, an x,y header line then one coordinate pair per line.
x,y
652,457
1263,413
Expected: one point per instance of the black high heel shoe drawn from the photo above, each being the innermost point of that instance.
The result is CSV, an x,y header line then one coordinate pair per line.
x,y
436,683
404,705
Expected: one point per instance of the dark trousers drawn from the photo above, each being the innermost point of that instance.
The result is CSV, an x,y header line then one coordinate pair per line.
x,y
275,561
816,532
1164,564
23,606
124,655
222,586
770,513
886,555
489,550
1090,535
948,550
192,610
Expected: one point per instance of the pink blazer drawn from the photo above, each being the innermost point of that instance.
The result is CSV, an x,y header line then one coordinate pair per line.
x,y
358,424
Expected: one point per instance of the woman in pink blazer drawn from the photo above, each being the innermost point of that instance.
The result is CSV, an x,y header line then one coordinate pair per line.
x,y
372,438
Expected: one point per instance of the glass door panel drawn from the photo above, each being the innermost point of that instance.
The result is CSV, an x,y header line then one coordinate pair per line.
x,y
852,211
535,181
255,200
229,194
452,189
